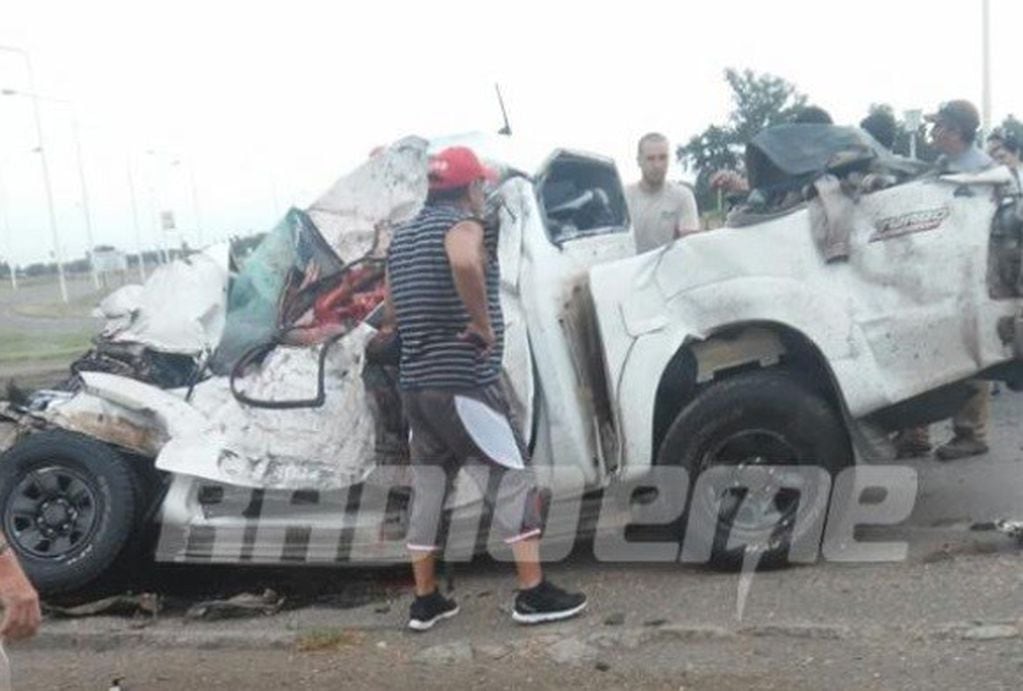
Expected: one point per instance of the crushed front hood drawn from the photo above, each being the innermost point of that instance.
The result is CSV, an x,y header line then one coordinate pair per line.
x,y
213,436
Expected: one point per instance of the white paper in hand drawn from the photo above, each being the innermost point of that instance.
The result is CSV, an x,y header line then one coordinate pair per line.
x,y
490,431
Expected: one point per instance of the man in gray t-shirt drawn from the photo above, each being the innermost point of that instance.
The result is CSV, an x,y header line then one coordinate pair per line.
x,y
660,210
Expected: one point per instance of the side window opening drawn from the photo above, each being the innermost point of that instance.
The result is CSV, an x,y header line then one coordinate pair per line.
x,y
581,197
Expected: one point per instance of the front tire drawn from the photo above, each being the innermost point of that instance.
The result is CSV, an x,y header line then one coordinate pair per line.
x,y
759,418
68,508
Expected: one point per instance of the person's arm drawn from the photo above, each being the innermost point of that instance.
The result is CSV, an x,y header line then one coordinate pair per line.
x,y
467,257
689,217
384,348
390,319
19,599
729,181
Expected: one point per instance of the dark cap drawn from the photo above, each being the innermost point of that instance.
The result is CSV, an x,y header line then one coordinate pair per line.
x,y
960,115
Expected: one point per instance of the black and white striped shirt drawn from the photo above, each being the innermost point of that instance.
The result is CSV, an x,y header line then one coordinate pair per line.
x,y
429,310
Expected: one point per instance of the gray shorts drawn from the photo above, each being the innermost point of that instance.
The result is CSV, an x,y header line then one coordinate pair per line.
x,y
472,429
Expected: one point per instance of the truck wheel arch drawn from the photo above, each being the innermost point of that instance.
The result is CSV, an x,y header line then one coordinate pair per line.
x,y
733,349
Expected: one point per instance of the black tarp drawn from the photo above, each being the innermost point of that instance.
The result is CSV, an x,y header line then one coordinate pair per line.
x,y
792,155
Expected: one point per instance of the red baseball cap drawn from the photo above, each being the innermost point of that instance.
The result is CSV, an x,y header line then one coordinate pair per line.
x,y
457,166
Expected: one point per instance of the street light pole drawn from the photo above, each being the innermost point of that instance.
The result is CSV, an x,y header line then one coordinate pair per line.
x,y
176,163
58,255
76,135
195,205
193,189
135,218
913,119
156,206
85,197
7,235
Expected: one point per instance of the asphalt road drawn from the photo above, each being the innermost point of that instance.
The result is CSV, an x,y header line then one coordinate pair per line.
x,y
960,493
946,622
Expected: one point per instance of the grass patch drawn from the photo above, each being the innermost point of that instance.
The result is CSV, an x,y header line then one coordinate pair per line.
x,y
80,306
22,347
37,281
30,281
320,640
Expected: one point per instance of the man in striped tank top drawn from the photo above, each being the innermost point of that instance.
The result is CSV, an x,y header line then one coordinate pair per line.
x,y
442,275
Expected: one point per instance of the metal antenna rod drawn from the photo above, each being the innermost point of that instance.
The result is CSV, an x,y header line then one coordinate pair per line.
x,y
506,130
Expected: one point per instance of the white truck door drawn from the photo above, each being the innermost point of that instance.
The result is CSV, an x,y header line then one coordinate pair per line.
x,y
578,219
917,283
518,357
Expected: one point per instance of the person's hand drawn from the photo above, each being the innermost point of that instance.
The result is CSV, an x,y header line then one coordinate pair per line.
x,y
384,348
480,336
21,607
686,232
729,181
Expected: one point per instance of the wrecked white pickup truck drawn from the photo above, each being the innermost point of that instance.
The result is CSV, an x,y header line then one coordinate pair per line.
x,y
230,414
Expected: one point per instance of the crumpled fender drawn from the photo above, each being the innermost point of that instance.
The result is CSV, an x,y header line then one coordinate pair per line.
x,y
698,314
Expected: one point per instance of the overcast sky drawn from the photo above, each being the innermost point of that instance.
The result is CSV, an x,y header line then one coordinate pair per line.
x,y
265,106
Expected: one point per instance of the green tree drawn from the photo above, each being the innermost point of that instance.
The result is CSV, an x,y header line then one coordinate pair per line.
x,y
1012,126
760,100
902,147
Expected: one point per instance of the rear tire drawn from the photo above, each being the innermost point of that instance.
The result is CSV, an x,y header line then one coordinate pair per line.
x,y
758,418
68,507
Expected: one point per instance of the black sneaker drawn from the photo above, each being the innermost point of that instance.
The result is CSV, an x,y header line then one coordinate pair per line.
x,y
546,602
427,610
